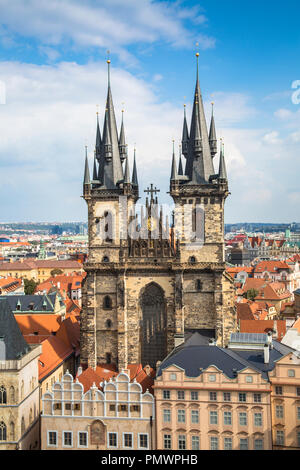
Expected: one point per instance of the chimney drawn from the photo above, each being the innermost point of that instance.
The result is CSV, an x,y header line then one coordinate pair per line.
x,y
266,354
179,339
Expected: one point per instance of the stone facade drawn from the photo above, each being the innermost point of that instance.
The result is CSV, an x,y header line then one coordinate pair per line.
x,y
122,320
19,402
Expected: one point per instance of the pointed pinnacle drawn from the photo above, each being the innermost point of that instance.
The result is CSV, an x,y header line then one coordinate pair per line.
x,y
87,179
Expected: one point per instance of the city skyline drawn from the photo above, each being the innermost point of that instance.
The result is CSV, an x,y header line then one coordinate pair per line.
x,y
55,76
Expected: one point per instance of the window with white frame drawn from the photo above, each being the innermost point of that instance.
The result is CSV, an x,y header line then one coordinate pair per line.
x,y
194,395
166,394
298,438
243,418
181,416
194,416
258,444
212,378
291,373
167,441
82,439
68,438
166,415
127,440
249,379
257,397
195,443
173,376
243,443
143,441
214,443
213,417
180,395
227,443
181,442
298,412
227,396
280,438
52,438
257,419
112,439
279,411
242,397
227,418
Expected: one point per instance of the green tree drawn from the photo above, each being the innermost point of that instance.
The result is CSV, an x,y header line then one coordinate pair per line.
x,y
251,294
56,272
29,286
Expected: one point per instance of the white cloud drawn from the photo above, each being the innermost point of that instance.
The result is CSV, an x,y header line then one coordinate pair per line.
x,y
112,24
272,138
283,114
50,114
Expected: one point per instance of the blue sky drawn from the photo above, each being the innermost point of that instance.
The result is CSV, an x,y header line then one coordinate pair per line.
x,y
53,66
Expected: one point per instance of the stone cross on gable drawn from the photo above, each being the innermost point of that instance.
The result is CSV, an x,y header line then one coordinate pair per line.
x,y
152,191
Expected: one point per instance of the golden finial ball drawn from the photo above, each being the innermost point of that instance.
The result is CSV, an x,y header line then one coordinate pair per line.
x,y
108,61
197,54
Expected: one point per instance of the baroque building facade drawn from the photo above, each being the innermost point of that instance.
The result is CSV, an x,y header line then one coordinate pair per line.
x,y
150,284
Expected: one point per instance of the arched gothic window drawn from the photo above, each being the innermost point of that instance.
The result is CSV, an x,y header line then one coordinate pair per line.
x,y
12,431
107,303
12,397
105,259
2,431
192,260
3,397
108,323
22,425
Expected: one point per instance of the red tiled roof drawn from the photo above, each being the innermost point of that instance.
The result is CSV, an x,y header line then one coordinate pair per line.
x,y
263,326
44,325
107,371
9,284
271,266
54,353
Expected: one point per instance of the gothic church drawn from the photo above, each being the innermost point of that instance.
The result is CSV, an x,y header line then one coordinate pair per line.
x,y
143,293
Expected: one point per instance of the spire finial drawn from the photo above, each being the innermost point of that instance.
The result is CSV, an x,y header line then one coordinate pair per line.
x,y
197,58
108,67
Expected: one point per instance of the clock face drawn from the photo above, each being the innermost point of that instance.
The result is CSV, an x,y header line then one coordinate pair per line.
x,y
151,224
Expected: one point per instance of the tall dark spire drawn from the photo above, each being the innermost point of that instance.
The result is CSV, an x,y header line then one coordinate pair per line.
x,y
122,143
212,134
111,173
199,166
134,171
222,165
87,179
185,135
174,174
98,139
127,173
95,172
180,169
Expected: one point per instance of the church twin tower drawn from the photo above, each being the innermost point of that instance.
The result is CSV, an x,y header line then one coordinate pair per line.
x,y
149,282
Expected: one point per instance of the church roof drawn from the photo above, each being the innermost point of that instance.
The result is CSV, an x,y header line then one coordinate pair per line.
x,y
10,333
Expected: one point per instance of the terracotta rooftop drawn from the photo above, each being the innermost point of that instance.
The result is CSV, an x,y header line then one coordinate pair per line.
x,y
263,326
